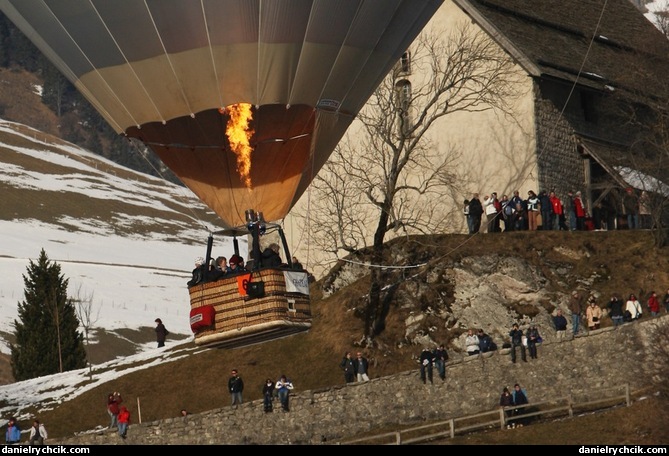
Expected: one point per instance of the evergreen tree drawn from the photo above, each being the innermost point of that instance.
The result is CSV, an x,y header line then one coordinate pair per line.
x,y
48,339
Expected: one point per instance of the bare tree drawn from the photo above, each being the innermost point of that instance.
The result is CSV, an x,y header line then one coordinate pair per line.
x,y
387,175
88,314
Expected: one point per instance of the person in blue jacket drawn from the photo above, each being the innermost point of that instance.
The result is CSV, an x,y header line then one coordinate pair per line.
x,y
13,434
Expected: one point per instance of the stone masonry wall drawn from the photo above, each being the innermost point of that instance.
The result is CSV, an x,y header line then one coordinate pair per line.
x,y
600,360
559,165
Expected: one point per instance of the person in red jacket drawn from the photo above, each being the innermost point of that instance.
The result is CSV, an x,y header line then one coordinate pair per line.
x,y
558,216
123,421
654,304
579,210
113,403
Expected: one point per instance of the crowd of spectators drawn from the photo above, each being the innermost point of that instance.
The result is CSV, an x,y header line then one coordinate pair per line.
x,y
546,211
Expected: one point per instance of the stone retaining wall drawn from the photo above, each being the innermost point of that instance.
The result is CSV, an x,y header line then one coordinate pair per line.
x,y
601,360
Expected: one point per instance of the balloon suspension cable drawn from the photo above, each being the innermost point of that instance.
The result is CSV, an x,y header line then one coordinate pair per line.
x,y
183,188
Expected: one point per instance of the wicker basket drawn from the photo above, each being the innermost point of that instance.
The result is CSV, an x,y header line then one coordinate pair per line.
x,y
241,320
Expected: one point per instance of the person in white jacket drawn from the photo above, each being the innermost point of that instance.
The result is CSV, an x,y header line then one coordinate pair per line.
x,y
284,386
490,211
472,343
37,433
633,306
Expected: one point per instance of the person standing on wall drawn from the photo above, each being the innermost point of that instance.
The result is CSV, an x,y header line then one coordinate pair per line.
x,y
284,387
440,358
426,360
114,407
517,341
236,387
633,308
268,395
361,368
560,323
593,314
475,213
576,310
654,304
533,338
579,210
348,367
533,210
161,332
616,313
123,421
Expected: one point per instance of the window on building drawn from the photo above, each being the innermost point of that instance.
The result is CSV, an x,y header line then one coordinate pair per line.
x,y
405,63
403,66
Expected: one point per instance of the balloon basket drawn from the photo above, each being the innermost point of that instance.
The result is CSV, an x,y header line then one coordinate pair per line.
x,y
232,313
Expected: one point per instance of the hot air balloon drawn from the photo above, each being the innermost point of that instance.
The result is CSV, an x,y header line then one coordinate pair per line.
x,y
244,100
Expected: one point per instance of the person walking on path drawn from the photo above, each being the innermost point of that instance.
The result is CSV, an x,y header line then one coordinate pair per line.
x,y
235,386
161,333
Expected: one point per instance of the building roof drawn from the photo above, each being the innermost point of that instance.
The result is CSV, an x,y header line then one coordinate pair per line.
x,y
593,42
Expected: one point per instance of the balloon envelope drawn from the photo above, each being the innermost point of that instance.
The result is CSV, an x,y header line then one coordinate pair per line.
x,y
163,71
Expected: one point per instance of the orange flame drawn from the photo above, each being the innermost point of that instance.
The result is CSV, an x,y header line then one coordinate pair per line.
x,y
239,134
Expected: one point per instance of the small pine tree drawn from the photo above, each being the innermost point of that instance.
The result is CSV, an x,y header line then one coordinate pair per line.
x,y
48,339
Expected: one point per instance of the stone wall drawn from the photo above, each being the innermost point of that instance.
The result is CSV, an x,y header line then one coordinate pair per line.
x,y
559,165
598,361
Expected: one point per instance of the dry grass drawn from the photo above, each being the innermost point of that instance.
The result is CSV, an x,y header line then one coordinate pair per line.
x,y
21,102
643,423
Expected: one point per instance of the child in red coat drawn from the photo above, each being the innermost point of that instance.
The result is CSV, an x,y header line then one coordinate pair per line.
x,y
123,421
